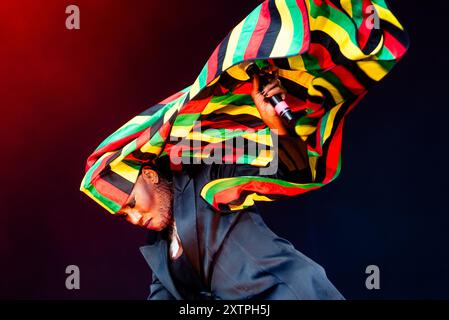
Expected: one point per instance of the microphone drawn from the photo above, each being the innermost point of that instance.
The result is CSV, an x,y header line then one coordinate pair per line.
x,y
281,107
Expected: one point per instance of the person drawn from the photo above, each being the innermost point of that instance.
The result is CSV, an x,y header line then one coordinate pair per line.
x,y
198,253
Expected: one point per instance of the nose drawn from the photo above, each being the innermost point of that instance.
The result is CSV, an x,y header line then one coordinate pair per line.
x,y
134,217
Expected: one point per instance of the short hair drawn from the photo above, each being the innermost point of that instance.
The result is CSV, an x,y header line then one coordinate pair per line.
x,y
161,166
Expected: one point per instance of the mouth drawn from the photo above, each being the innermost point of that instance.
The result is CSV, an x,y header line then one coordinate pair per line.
x,y
146,224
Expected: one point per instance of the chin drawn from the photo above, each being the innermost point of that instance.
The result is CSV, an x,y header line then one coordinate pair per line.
x,y
158,227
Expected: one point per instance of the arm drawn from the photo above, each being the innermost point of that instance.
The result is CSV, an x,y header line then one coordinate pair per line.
x,y
158,291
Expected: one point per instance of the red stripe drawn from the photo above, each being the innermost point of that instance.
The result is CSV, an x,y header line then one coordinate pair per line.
x,y
113,146
395,47
322,55
144,138
212,66
348,80
111,192
333,153
260,187
364,32
259,32
195,106
306,29
100,168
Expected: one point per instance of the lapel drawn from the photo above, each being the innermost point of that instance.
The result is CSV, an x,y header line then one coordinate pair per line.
x,y
185,214
156,256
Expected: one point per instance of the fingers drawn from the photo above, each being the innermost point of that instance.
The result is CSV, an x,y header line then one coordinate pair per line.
x,y
256,85
270,86
276,90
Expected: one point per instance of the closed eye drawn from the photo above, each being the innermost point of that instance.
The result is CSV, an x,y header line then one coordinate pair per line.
x,y
132,203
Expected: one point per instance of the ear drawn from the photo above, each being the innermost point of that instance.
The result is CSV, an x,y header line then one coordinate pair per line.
x,y
149,175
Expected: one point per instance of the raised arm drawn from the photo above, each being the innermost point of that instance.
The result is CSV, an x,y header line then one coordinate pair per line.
x,y
291,150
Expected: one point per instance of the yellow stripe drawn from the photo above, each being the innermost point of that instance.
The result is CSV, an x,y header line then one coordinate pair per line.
x,y
265,157
211,184
195,88
214,81
125,171
347,6
312,163
330,87
372,69
285,37
249,201
259,138
330,121
302,78
387,15
237,72
195,135
238,110
232,45
148,147
180,131
170,112
339,34
296,63
305,130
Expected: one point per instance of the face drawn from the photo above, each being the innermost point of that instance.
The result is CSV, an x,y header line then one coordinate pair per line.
x,y
150,202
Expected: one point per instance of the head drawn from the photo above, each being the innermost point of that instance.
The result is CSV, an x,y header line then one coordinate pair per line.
x,y
150,202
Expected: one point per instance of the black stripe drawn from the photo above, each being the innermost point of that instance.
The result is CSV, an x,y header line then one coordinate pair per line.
x,y
117,180
272,32
246,120
329,101
156,126
282,63
338,58
321,162
152,110
398,34
294,88
222,54
143,156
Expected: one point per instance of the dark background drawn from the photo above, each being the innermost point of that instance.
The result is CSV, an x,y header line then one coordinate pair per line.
x,y
62,92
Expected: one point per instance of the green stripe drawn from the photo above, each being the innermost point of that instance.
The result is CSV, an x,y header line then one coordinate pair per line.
x,y
186,119
385,54
381,3
233,99
131,129
106,201
357,15
246,34
339,18
237,181
89,186
323,127
298,27
202,78
336,82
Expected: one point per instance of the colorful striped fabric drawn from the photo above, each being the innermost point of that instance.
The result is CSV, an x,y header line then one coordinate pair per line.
x,y
328,55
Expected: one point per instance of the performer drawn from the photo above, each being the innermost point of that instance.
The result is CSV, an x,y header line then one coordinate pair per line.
x,y
199,253
207,239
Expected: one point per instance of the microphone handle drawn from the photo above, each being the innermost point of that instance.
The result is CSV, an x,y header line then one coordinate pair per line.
x,y
281,107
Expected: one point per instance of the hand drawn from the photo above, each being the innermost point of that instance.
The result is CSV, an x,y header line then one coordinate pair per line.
x,y
266,110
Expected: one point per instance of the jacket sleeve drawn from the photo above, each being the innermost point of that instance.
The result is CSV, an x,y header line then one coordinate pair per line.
x,y
292,163
158,291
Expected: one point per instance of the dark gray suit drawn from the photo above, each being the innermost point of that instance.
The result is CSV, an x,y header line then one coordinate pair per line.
x,y
235,254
